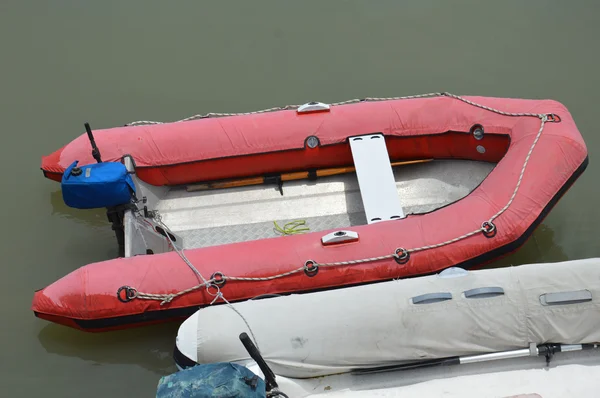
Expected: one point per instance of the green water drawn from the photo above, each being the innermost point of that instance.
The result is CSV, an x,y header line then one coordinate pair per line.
x,y
110,62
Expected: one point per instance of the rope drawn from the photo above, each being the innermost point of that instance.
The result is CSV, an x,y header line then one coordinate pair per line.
x,y
543,118
166,298
158,219
400,254
220,295
291,228
280,108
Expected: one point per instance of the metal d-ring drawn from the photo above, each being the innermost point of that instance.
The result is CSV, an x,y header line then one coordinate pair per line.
x,y
477,131
218,279
401,255
130,294
311,268
489,229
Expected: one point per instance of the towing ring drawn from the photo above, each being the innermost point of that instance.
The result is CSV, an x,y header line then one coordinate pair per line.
x,y
489,229
401,255
218,279
311,268
130,294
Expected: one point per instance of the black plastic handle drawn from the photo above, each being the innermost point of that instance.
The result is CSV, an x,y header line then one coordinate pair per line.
x,y
254,354
88,129
95,151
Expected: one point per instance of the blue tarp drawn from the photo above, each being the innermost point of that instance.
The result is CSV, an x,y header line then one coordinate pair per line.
x,y
97,185
225,380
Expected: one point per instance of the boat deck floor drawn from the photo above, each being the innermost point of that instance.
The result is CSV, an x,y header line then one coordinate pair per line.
x,y
215,217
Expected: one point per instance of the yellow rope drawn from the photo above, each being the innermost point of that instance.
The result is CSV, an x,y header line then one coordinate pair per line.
x,y
292,227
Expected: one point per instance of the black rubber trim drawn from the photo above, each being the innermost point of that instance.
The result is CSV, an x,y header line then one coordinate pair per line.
x,y
48,173
149,316
474,262
181,360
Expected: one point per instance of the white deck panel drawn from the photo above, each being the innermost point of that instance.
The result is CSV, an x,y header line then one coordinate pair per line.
x,y
376,178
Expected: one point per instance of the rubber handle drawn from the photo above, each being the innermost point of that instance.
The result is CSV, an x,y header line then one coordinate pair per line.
x,y
95,150
88,129
254,354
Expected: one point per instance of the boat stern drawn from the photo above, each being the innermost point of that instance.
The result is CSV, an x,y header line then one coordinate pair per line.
x,y
51,166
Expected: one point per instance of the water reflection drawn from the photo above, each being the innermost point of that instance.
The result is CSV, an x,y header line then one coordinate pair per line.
x,y
91,217
150,347
539,248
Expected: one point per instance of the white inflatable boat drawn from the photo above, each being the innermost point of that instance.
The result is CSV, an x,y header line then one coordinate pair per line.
x,y
360,337
570,374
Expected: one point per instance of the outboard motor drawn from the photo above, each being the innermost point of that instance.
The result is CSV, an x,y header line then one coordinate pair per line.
x,y
104,184
222,379
98,185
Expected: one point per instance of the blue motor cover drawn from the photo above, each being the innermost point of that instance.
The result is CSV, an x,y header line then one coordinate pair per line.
x,y
224,380
97,185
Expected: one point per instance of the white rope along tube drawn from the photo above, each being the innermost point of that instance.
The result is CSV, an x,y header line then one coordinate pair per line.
x,y
280,108
214,282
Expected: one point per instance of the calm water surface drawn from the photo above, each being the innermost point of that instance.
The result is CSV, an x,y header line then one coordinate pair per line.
x,y
110,62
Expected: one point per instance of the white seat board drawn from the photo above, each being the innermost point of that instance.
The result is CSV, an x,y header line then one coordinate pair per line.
x,y
375,178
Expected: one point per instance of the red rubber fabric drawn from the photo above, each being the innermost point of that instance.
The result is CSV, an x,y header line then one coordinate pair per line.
x,y
250,145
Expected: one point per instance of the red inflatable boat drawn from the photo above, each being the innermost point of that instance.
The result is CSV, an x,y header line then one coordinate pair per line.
x,y
499,166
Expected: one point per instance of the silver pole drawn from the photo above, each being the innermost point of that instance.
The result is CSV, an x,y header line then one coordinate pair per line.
x,y
525,352
570,347
547,350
